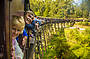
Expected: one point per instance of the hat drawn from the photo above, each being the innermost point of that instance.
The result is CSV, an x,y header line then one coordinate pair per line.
x,y
30,12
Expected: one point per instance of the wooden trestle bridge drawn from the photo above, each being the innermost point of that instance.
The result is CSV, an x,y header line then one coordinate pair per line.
x,y
35,50
50,27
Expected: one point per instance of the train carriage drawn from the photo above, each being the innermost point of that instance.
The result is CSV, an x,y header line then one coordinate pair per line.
x,y
7,9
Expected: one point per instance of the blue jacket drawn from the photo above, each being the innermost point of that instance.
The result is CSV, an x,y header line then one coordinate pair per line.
x,y
24,33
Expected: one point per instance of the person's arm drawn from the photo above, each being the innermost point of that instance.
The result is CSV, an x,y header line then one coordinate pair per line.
x,y
37,26
24,40
39,21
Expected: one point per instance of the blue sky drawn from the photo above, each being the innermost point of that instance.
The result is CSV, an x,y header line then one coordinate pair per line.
x,y
77,2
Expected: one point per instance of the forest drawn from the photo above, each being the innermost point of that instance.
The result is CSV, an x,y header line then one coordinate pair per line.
x,y
61,8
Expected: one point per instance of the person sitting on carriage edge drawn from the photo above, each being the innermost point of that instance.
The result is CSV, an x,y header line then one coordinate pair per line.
x,y
18,25
31,22
28,21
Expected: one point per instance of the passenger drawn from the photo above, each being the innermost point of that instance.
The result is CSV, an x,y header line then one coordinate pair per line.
x,y
18,25
22,37
30,14
29,21
32,22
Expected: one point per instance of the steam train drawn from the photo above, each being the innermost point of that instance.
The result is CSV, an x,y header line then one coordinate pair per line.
x,y
7,8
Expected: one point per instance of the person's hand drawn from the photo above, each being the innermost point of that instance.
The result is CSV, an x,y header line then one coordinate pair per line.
x,y
24,40
13,53
36,24
42,22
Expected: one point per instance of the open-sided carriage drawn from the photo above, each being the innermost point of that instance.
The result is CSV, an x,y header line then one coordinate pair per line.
x,y
7,9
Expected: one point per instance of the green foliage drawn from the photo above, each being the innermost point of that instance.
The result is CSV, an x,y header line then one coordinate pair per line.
x,y
49,8
58,47
80,42
60,8
37,13
69,44
45,14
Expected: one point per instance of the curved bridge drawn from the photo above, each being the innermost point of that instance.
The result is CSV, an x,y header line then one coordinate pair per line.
x,y
46,30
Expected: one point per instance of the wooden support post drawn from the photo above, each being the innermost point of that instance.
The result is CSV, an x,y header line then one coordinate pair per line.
x,y
64,24
27,47
44,38
67,24
49,29
55,28
41,42
61,25
46,35
58,25
38,45
52,28
35,47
